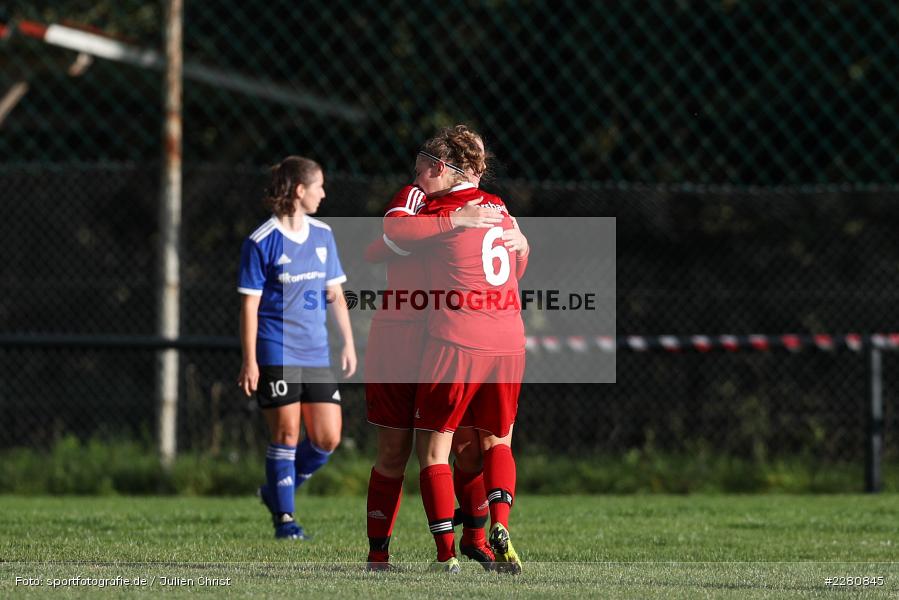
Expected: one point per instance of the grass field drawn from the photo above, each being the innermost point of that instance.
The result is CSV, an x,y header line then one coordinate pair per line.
x,y
573,546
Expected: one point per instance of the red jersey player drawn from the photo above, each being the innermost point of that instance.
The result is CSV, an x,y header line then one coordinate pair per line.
x,y
393,356
474,357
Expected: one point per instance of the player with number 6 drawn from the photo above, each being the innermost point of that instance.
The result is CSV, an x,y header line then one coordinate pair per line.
x,y
473,362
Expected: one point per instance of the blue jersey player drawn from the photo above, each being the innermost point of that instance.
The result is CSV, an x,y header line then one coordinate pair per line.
x,y
290,276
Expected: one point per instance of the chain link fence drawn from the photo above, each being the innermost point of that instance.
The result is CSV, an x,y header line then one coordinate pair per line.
x,y
706,92
687,263
745,148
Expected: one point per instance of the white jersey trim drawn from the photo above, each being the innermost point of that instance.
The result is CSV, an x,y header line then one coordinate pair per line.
x,y
263,230
318,223
414,198
401,209
297,237
396,249
249,291
465,185
336,280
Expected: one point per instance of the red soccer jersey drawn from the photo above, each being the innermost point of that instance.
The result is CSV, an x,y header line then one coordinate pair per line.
x,y
477,278
404,271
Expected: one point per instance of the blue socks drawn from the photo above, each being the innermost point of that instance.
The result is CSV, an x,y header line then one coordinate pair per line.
x,y
310,459
287,468
280,477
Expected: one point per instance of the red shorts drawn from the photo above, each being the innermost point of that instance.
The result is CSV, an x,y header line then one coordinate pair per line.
x,y
392,361
469,390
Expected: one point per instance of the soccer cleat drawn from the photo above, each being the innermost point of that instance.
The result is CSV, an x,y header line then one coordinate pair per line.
x,y
381,567
288,529
507,560
450,565
480,553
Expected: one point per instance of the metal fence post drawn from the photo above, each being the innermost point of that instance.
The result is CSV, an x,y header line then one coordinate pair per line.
x,y
874,438
169,235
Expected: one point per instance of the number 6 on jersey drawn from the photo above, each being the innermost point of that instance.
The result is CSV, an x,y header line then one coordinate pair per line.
x,y
490,252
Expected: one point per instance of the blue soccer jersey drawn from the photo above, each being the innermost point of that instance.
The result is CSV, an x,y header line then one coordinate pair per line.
x,y
291,270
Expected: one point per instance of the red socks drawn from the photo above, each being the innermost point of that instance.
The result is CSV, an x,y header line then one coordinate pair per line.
x,y
437,496
384,497
437,485
499,479
472,499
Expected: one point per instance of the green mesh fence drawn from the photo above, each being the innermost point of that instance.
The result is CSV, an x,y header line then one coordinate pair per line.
x,y
660,91
712,104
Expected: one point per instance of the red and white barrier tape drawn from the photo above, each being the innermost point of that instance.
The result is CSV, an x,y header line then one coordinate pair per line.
x,y
579,344
551,344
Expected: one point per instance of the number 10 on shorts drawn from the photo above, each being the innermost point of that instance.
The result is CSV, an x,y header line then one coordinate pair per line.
x,y
279,388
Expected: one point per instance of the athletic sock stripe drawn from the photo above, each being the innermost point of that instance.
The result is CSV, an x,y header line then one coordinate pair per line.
x,y
442,526
281,452
499,495
281,455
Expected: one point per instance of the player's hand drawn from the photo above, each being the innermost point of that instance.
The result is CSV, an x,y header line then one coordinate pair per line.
x,y
472,215
248,378
515,241
348,361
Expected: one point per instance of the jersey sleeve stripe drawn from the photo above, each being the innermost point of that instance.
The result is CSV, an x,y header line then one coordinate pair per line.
x,y
419,201
390,244
260,234
401,209
267,226
249,291
336,280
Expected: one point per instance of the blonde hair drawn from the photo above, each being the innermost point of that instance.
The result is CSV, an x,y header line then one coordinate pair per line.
x,y
285,177
459,147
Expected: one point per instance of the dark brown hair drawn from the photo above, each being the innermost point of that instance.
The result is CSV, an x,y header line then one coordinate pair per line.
x,y
286,176
458,146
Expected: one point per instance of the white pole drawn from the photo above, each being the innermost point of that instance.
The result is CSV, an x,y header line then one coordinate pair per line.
x,y
169,235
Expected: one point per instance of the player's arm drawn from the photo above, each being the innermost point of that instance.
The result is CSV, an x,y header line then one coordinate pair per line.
x,y
423,227
413,228
249,326
378,251
250,283
340,312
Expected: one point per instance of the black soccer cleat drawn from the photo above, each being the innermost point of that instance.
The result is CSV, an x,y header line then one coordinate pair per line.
x,y
481,554
381,567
